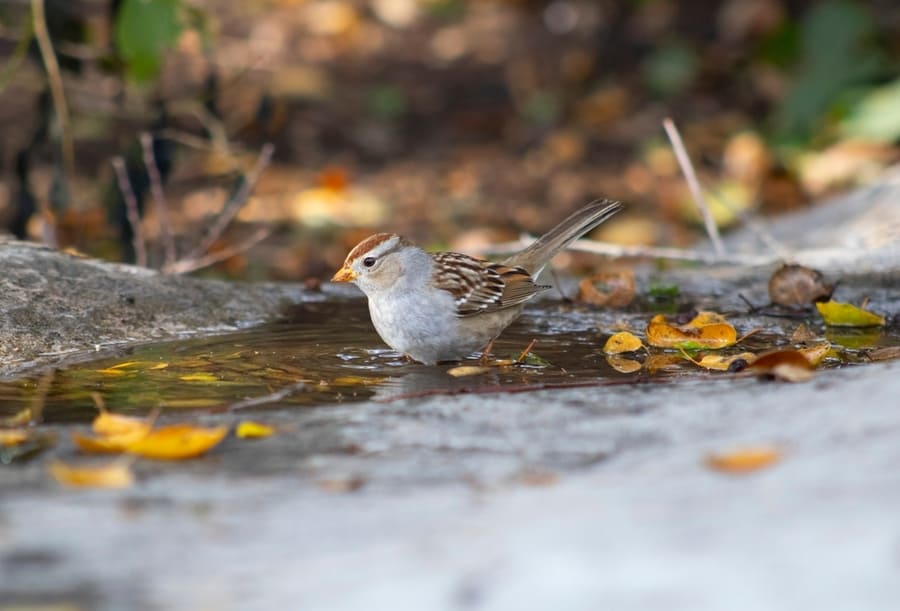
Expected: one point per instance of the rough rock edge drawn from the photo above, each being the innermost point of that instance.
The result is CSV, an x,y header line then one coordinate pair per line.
x,y
55,306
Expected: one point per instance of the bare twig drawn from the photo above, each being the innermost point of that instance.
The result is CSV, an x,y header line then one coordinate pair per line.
x,y
691,177
616,250
39,24
524,355
131,211
278,395
233,205
186,265
18,55
159,200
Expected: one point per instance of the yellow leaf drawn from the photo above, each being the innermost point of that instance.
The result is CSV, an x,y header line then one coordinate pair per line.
x,y
707,330
253,430
622,364
199,377
109,424
113,475
356,381
20,418
13,437
839,314
720,362
178,441
744,460
104,444
815,354
468,370
623,341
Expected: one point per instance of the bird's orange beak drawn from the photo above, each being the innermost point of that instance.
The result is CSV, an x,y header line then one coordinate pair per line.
x,y
345,274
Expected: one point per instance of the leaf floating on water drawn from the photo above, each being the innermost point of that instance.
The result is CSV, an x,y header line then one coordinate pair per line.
x,y
837,314
116,474
13,437
468,370
356,381
622,364
20,418
178,441
815,354
707,330
127,367
199,377
745,460
248,429
109,424
623,341
720,362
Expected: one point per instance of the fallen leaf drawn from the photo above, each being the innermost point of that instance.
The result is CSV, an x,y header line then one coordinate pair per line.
x,y
802,334
784,365
623,341
20,418
839,314
707,330
356,381
109,424
720,362
887,353
116,474
199,377
13,437
609,289
469,370
253,430
622,364
663,362
815,354
796,285
745,460
178,441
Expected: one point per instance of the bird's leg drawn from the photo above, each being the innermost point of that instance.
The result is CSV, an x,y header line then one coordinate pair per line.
x,y
486,352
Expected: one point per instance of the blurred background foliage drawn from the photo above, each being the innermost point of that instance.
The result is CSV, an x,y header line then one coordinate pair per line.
x,y
457,122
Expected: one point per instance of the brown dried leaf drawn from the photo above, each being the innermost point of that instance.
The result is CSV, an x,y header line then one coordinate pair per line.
x,y
609,289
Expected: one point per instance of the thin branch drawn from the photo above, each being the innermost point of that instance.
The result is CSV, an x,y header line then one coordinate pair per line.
x,y
616,250
691,177
278,395
39,23
18,55
233,205
189,265
159,200
131,211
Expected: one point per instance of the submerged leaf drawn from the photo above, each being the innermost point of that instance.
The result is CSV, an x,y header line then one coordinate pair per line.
x,y
468,370
622,364
839,314
116,474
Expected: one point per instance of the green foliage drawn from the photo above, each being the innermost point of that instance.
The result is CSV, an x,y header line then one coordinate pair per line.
x,y
875,116
143,31
671,68
387,102
837,52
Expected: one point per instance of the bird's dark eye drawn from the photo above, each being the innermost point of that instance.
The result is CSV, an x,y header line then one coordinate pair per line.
x,y
369,261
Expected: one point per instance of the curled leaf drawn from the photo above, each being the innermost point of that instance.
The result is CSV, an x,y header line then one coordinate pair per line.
x,y
839,314
707,330
784,365
610,289
796,285
623,341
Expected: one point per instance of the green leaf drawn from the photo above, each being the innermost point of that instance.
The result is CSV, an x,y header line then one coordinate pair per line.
x,y
876,116
144,30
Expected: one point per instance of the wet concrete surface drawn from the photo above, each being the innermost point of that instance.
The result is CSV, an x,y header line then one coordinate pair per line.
x,y
568,499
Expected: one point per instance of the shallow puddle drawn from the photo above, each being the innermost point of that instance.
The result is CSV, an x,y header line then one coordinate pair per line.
x,y
332,349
